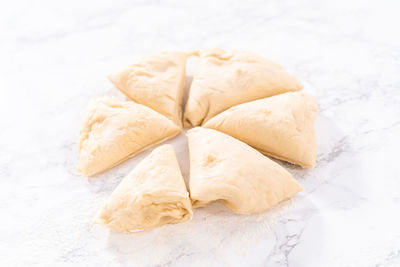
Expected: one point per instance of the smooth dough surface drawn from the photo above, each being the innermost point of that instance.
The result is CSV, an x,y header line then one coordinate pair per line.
x,y
280,126
114,130
226,169
156,81
151,195
227,78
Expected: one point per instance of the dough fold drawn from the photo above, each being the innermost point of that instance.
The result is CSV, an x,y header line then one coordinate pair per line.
x,y
227,78
151,195
226,169
156,81
280,126
114,130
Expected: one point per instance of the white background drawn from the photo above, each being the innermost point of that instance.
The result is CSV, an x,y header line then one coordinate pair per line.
x,y
55,55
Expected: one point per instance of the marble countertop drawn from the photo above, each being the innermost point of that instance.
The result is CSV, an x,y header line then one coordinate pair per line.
x,y
55,56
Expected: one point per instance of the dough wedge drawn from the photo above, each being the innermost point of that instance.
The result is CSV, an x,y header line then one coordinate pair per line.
x,y
156,81
280,126
151,195
227,78
226,169
114,130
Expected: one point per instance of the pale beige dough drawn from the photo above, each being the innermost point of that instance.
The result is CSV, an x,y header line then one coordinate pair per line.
x,y
227,78
226,169
114,130
151,195
280,126
156,81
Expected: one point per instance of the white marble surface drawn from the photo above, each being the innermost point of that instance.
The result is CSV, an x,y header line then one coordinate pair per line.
x,y
55,55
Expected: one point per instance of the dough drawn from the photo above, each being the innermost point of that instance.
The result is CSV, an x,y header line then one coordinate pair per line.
x,y
156,81
227,78
224,168
151,195
114,130
280,126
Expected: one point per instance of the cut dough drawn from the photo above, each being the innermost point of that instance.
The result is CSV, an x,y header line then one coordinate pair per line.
x,y
224,168
224,79
114,130
280,126
151,195
156,81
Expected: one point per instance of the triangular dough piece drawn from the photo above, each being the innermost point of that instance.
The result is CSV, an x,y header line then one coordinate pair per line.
x,y
114,130
225,79
280,126
224,168
151,195
156,81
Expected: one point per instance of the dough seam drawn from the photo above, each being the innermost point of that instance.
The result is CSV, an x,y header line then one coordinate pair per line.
x,y
285,159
